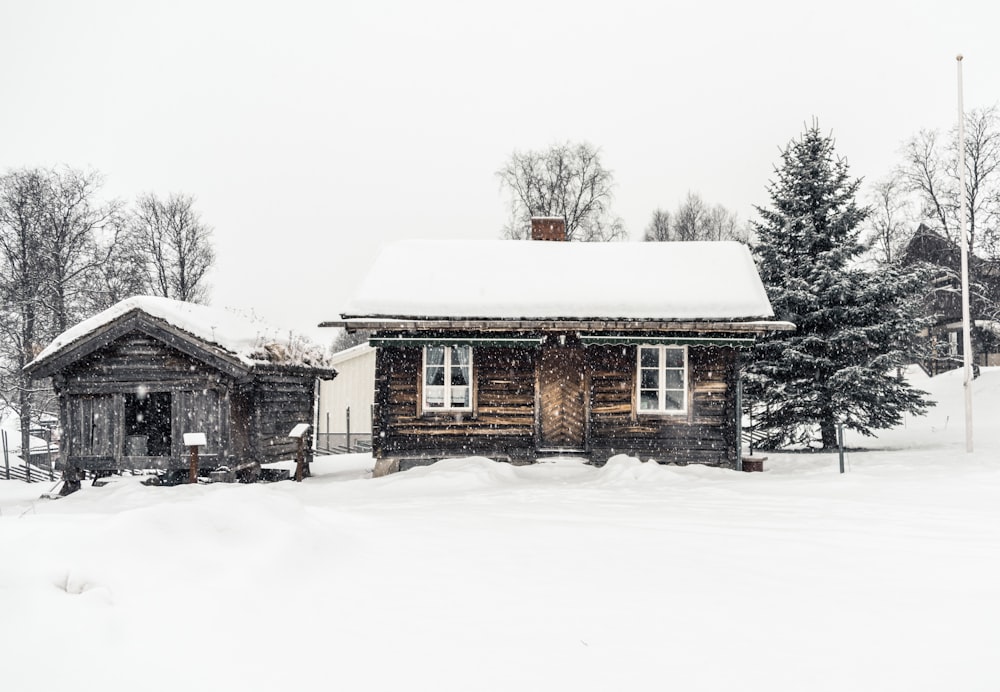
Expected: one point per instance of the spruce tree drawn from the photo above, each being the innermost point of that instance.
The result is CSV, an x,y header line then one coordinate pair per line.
x,y
854,326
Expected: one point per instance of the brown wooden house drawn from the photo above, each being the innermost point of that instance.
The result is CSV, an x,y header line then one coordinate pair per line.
x,y
132,380
520,349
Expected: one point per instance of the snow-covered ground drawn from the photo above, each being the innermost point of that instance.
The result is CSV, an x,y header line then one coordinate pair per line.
x,y
473,575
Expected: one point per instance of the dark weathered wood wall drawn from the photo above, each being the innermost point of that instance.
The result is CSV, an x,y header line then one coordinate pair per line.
x,y
504,422
245,410
281,400
93,392
137,359
706,434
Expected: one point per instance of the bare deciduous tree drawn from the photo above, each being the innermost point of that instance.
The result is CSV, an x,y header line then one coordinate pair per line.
x,y
175,244
891,218
121,274
930,171
696,220
565,180
79,234
22,195
660,227
690,220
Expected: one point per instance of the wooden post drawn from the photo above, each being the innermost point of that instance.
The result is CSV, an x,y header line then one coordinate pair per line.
x,y
193,475
6,459
739,414
300,460
348,429
299,433
840,444
193,441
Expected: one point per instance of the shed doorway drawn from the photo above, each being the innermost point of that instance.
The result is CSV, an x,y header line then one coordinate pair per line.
x,y
562,401
148,424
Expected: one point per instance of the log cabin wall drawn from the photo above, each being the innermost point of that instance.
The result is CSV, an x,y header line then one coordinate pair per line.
x,y
97,392
706,434
502,423
283,398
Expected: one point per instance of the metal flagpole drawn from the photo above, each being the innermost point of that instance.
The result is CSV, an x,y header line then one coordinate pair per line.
x,y
964,242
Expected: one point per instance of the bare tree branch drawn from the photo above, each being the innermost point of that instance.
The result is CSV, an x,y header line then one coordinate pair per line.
x,y
566,180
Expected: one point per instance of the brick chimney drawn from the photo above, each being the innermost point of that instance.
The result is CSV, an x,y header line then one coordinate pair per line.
x,y
548,228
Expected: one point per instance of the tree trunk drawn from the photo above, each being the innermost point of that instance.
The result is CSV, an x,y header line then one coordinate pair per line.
x,y
828,431
24,382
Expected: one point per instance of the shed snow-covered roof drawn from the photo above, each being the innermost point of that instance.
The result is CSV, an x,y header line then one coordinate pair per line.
x,y
352,353
243,337
505,279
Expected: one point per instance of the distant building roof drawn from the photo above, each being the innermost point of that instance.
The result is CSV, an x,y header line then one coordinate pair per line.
x,y
504,279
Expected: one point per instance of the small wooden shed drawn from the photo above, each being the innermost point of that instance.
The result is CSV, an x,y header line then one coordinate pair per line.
x,y
133,379
521,349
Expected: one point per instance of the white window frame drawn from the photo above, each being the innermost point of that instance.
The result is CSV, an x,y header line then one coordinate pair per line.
x,y
662,389
448,405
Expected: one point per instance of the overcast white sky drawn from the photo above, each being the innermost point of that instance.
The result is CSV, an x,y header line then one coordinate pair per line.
x,y
311,131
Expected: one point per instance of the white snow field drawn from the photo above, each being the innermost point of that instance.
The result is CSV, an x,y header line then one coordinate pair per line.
x,y
475,575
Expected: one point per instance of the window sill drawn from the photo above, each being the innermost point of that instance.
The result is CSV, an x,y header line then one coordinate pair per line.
x,y
448,415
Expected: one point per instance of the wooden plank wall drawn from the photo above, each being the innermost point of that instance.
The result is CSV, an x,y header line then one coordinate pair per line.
x,y
205,411
282,400
504,418
705,435
137,359
94,389
92,424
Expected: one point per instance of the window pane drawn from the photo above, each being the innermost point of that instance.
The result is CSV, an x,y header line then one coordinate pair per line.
x,y
674,357
434,396
435,355
460,375
673,379
460,397
675,401
649,357
649,379
649,401
435,376
460,355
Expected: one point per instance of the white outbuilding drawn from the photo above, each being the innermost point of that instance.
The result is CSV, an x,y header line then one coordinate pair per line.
x,y
344,414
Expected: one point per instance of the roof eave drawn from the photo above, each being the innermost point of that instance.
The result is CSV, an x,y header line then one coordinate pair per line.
x,y
758,326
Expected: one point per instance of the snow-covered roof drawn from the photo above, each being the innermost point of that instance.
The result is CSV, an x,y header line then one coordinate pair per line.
x,y
351,353
506,279
243,336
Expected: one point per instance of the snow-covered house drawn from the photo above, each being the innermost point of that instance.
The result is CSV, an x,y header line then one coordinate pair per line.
x,y
136,377
344,419
515,350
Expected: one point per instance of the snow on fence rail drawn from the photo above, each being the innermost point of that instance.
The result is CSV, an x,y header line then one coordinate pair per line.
x,y
29,473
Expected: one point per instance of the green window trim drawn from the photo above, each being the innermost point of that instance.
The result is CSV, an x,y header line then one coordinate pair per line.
x,y
617,340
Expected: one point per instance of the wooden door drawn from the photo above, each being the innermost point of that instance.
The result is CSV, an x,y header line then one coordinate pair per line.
x,y
562,400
